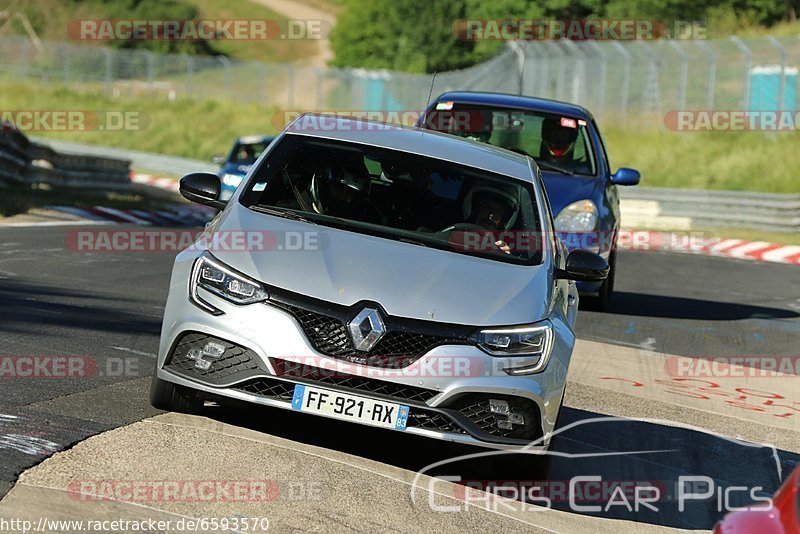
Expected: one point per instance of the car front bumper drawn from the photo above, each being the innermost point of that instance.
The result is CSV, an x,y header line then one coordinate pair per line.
x,y
447,389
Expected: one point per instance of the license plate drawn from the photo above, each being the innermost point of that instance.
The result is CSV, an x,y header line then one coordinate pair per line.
x,y
350,407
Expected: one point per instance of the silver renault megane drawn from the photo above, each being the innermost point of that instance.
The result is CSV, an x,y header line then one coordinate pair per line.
x,y
381,275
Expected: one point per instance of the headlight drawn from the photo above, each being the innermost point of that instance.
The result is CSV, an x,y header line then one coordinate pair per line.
x,y
533,343
579,216
216,277
232,180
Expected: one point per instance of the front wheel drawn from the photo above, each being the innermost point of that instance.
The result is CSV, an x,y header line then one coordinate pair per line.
x,y
602,300
174,398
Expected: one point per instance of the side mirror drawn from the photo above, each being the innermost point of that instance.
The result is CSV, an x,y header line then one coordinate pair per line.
x,y
217,160
203,188
625,176
584,266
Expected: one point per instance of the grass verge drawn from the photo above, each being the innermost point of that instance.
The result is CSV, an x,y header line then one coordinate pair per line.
x,y
744,161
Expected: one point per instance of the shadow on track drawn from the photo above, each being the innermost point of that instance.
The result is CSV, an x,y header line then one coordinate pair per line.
x,y
690,453
37,305
665,307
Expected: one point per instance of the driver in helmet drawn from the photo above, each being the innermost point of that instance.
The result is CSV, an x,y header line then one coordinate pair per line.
x,y
340,188
558,142
493,209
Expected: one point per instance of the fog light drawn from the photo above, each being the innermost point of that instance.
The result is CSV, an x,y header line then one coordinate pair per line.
x,y
203,365
498,406
516,418
505,425
213,350
194,354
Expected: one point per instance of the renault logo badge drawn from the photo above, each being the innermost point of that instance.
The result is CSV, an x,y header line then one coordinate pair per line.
x,y
366,329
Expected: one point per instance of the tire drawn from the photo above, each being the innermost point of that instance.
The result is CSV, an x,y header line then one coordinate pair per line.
x,y
602,301
174,398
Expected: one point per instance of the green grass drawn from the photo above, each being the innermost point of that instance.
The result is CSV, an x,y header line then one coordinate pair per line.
x,y
741,161
748,161
189,128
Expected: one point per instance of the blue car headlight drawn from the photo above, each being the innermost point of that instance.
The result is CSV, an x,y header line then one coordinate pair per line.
x,y
579,216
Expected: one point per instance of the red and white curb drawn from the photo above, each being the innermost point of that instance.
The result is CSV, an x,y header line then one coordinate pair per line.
x,y
162,183
696,243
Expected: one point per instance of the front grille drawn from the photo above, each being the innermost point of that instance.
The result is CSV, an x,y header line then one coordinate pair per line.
x,y
475,407
284,391
268,387
430,420
359,384
236,363
396,349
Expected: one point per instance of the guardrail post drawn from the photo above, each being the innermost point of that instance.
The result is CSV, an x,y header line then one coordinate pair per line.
x,y
782,83
748,63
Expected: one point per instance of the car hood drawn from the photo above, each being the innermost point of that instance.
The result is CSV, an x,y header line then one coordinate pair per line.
x,y
408,280
563,190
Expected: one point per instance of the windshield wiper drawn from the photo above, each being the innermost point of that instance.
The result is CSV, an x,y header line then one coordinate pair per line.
x,y
412,241
550,167
286,214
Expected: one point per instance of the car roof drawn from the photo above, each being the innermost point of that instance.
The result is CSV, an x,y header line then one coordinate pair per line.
x,y
516,101
414,140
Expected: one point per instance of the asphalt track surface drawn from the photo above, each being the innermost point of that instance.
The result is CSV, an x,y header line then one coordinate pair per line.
x,y
107,308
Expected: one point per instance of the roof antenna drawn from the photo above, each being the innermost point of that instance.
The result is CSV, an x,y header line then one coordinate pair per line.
x,y
427,105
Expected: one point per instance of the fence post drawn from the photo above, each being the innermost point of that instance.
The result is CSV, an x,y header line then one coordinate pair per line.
x,y
579,71
189,72
782,83
684,73
319,88
712,74
748,63
517,47
149,58
290,95
627,79
109,62
602,89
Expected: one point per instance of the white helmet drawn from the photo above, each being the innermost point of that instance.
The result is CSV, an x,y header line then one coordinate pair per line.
x,y
509,196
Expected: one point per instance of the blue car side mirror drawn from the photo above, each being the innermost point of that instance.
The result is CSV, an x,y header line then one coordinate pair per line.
x,y
625,176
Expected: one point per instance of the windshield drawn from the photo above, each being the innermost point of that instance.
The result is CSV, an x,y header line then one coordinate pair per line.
x,y
556,142
398,195
247,153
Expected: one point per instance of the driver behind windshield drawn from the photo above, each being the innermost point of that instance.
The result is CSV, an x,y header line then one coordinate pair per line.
x,y
558,142
340,188
491,209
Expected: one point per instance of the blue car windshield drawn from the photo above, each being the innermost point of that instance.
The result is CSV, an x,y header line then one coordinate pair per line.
x,y
556,142
399,195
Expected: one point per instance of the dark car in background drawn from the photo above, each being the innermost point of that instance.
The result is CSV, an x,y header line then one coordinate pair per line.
x,y
243,154
566,144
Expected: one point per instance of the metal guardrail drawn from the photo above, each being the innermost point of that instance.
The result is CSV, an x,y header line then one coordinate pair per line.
x,y
704,208
25,162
